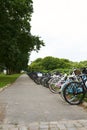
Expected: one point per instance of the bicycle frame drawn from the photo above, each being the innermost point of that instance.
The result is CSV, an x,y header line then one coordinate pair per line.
x,y
84,79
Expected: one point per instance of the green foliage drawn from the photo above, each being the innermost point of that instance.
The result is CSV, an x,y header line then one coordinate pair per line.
x,y
38,60
36,65
61,70
83,64
7,79
52,64
16,41
49,63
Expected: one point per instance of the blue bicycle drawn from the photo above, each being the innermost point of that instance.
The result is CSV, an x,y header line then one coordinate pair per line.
x,y
74,91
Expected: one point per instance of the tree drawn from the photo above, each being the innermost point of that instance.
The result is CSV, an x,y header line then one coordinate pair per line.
x,y
50,63
16,41
83,64
64,63
36,65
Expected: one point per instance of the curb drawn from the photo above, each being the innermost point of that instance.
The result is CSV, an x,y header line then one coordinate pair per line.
x,y
1,89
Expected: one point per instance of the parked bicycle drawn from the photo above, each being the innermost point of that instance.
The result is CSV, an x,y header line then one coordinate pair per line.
x,y
55,83
74,91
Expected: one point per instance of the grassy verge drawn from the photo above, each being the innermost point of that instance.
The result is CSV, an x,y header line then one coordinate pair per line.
x,y
85,99
7,79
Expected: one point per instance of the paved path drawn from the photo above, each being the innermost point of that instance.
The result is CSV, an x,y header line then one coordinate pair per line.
x,y
28,106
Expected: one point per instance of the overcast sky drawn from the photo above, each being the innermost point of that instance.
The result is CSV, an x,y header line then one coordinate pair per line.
x,y
62,25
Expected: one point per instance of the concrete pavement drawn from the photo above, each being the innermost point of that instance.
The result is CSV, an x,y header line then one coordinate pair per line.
x,y
60,125
27,106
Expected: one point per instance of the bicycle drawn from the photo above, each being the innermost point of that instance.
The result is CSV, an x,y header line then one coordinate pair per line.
x,y
55,84
74,91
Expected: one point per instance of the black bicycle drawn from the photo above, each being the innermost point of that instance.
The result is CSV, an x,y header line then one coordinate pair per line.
x,y
74,91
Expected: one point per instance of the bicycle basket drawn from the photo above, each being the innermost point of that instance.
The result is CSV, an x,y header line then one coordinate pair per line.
x,y
77,72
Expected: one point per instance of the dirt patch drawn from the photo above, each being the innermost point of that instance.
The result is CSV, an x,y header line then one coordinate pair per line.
x,y
2,112
84,105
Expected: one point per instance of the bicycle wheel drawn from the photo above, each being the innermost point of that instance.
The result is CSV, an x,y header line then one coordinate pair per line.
x,y
37,81
73,93
54,88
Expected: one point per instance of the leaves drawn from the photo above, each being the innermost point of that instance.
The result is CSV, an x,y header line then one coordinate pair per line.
x,y
16,41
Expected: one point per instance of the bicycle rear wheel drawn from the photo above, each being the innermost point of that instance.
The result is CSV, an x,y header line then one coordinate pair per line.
x,y
74,93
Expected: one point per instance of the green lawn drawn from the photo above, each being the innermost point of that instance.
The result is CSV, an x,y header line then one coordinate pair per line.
x,y
7,79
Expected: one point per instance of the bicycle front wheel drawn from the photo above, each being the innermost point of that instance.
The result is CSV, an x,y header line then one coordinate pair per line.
x,y
74,93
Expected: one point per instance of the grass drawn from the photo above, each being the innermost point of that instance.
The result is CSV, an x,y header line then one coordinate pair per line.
x,y
85,99
7,79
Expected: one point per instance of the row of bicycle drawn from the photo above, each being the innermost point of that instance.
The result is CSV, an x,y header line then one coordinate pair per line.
x,y
72,87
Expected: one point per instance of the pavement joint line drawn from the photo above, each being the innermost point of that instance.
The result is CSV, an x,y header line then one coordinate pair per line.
x,y
55,125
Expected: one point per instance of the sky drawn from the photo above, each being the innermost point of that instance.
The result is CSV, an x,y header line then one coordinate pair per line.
x,y
62,25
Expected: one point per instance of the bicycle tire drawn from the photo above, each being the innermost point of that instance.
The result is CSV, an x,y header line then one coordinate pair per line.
x,y
54,88
74,93
37,81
